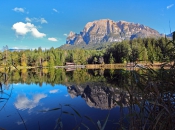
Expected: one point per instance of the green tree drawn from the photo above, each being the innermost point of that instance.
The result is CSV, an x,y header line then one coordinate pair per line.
x,y
95,60
111,59
51,61
23,60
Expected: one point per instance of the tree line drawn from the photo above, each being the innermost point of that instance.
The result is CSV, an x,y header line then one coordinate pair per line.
x,y
121,52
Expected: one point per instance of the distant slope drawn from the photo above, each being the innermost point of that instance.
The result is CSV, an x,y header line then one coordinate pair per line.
x,y
12,50
97,46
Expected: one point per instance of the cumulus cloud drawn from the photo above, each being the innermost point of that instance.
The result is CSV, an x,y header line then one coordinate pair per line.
x,y
55,10
36,33
23,103
24,28
53,91
19,10
40,20
52,39
169,6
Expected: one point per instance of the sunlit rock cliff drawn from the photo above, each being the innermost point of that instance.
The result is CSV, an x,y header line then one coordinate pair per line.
x,y
106,30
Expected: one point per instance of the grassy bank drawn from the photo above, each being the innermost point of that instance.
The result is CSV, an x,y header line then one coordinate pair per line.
x,y
105,66
155,65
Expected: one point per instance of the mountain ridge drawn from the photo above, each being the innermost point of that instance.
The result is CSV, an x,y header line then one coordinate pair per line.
x,y
106,30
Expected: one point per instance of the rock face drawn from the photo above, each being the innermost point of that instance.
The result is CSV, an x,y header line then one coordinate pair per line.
x,y
106,30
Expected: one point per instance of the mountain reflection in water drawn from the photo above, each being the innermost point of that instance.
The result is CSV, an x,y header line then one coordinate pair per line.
x,y
53,98
99,96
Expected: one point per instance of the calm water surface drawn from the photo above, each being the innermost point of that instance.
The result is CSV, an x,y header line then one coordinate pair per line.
x,y
48,99
81,99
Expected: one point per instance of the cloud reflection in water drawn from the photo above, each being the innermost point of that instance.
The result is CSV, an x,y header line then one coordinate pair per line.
x,y
54,91
21,122
23,102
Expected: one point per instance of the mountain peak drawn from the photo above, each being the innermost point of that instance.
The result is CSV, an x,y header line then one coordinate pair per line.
x,y
71,34
106,30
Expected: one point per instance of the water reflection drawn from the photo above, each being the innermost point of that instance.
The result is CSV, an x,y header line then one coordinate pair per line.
x,y
23,102
130,99
54,91
21,122
99,96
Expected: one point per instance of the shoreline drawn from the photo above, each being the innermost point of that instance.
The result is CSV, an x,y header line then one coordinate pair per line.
x,y
100,66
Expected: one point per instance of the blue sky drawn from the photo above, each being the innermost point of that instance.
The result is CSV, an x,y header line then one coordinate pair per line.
x,y
29,24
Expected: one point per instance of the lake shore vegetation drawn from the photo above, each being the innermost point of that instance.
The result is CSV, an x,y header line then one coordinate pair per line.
x,y
143,51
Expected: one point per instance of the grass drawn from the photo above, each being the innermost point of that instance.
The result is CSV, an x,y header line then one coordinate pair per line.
x,y
156,65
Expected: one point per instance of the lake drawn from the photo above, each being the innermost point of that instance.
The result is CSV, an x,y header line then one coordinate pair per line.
x,y
45,99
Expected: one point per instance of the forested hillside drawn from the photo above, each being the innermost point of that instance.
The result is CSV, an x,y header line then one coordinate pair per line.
x,y
120,52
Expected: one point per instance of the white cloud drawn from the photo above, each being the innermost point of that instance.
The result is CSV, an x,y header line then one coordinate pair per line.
x,y
28,20
15,47
65,34
53,91
169,6
19,10
40,20
52,39
37,34
24,28
23,103
55,10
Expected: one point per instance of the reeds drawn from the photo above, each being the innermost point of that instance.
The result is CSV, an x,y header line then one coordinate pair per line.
x,y
79,118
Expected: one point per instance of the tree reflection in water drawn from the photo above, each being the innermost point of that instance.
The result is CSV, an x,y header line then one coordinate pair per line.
x,y
148,94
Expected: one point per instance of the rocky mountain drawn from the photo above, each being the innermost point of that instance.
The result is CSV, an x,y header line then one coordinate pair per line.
x,y
107,30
